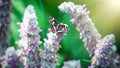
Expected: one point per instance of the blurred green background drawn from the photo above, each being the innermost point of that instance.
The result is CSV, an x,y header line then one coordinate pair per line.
x,y
104,13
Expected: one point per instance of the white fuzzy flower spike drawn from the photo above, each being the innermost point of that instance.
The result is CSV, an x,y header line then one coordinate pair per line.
x,y
72,64
30,38
80,17
5,11
11,59
51,45
105,53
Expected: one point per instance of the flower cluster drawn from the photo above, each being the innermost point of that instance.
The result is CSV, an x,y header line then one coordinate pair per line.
x,y
72,64
51,45
5,10
105,53
29,55
30,41
102,49
11,59
80,17
30,38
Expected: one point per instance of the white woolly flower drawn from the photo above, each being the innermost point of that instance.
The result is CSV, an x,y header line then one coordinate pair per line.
x,y
5,20
66,6
80,17
72,64
10,51
49,55
30,39
51,36
11,59
102,49
104,53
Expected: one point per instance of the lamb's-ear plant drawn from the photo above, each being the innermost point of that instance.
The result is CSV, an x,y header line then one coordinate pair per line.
x,y
105,53
30,41
11,59
51,45
72,64
102,49
80,17
5,10
30,38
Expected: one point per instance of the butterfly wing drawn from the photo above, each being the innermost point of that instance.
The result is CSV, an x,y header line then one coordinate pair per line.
x,y
59,28
54,23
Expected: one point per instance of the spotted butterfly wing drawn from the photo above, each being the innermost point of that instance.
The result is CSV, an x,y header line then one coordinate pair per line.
x,y
60,29
53,23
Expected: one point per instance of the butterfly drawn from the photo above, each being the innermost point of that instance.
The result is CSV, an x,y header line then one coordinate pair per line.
x,y
58,28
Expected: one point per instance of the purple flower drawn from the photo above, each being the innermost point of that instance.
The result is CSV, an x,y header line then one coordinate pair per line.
x,y
108,46
13,63
11,59
31,51
33,43
32,27
104,53
103,60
